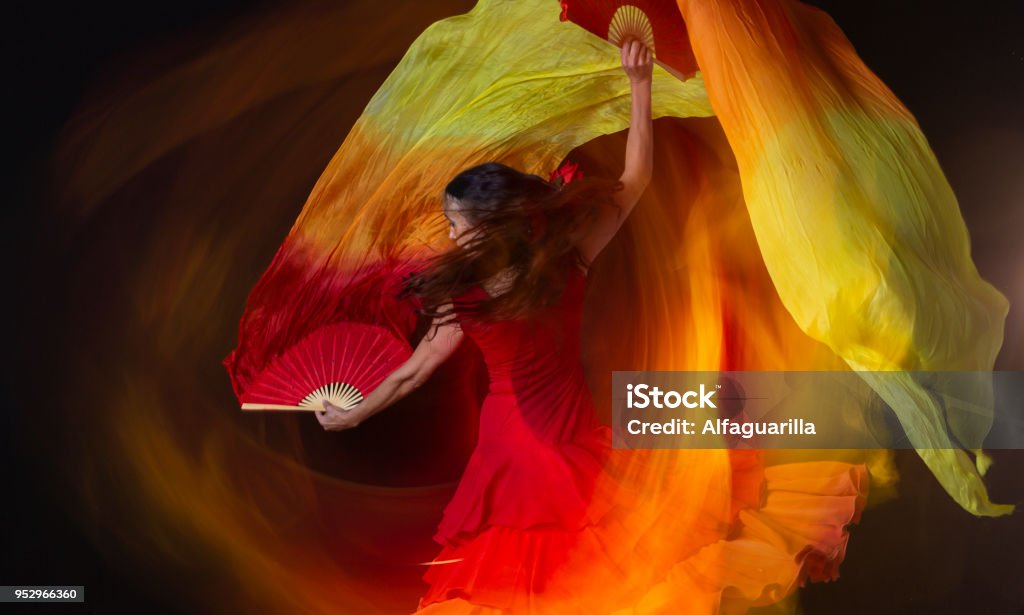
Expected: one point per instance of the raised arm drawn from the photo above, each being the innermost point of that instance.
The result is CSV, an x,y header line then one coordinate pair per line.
x,y
431,352
637,62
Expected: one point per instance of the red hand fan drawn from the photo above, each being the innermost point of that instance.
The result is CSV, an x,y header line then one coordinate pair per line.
x,y
657,23
341,363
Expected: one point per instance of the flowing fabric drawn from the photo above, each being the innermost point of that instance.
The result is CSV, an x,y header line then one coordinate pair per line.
x,y
857,224
805,225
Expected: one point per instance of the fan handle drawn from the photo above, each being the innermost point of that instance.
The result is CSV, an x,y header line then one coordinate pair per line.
x,y
251,406
678,75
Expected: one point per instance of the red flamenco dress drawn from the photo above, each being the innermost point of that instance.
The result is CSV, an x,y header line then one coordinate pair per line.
x,y
548,518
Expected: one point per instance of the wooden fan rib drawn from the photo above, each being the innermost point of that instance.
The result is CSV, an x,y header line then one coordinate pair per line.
x,y
350,397
249,406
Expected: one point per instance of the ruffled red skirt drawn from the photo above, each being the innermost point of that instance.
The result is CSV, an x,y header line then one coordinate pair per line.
x,y
670,531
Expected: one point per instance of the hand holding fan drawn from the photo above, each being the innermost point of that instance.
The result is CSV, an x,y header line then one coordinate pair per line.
x,y
341,363
656,23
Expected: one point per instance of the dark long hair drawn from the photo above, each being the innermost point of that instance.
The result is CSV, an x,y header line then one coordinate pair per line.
x,y
519,223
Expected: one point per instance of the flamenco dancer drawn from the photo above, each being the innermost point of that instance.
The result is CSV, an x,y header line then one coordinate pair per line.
x,y
515,284
540,522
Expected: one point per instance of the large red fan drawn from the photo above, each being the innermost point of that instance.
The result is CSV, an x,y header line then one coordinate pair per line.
x,y
341,363
657,23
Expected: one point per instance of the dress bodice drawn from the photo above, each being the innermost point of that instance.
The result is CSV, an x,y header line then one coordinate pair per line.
x,y
537,382
529,356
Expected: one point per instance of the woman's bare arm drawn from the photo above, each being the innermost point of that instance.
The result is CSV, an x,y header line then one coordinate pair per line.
x,y
431,352
639,164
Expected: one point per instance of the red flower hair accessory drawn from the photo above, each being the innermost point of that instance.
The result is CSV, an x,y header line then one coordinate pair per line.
x,y
565,174
561,176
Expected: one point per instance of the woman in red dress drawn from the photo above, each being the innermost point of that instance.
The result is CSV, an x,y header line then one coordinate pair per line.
x,y
515,285
537,524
